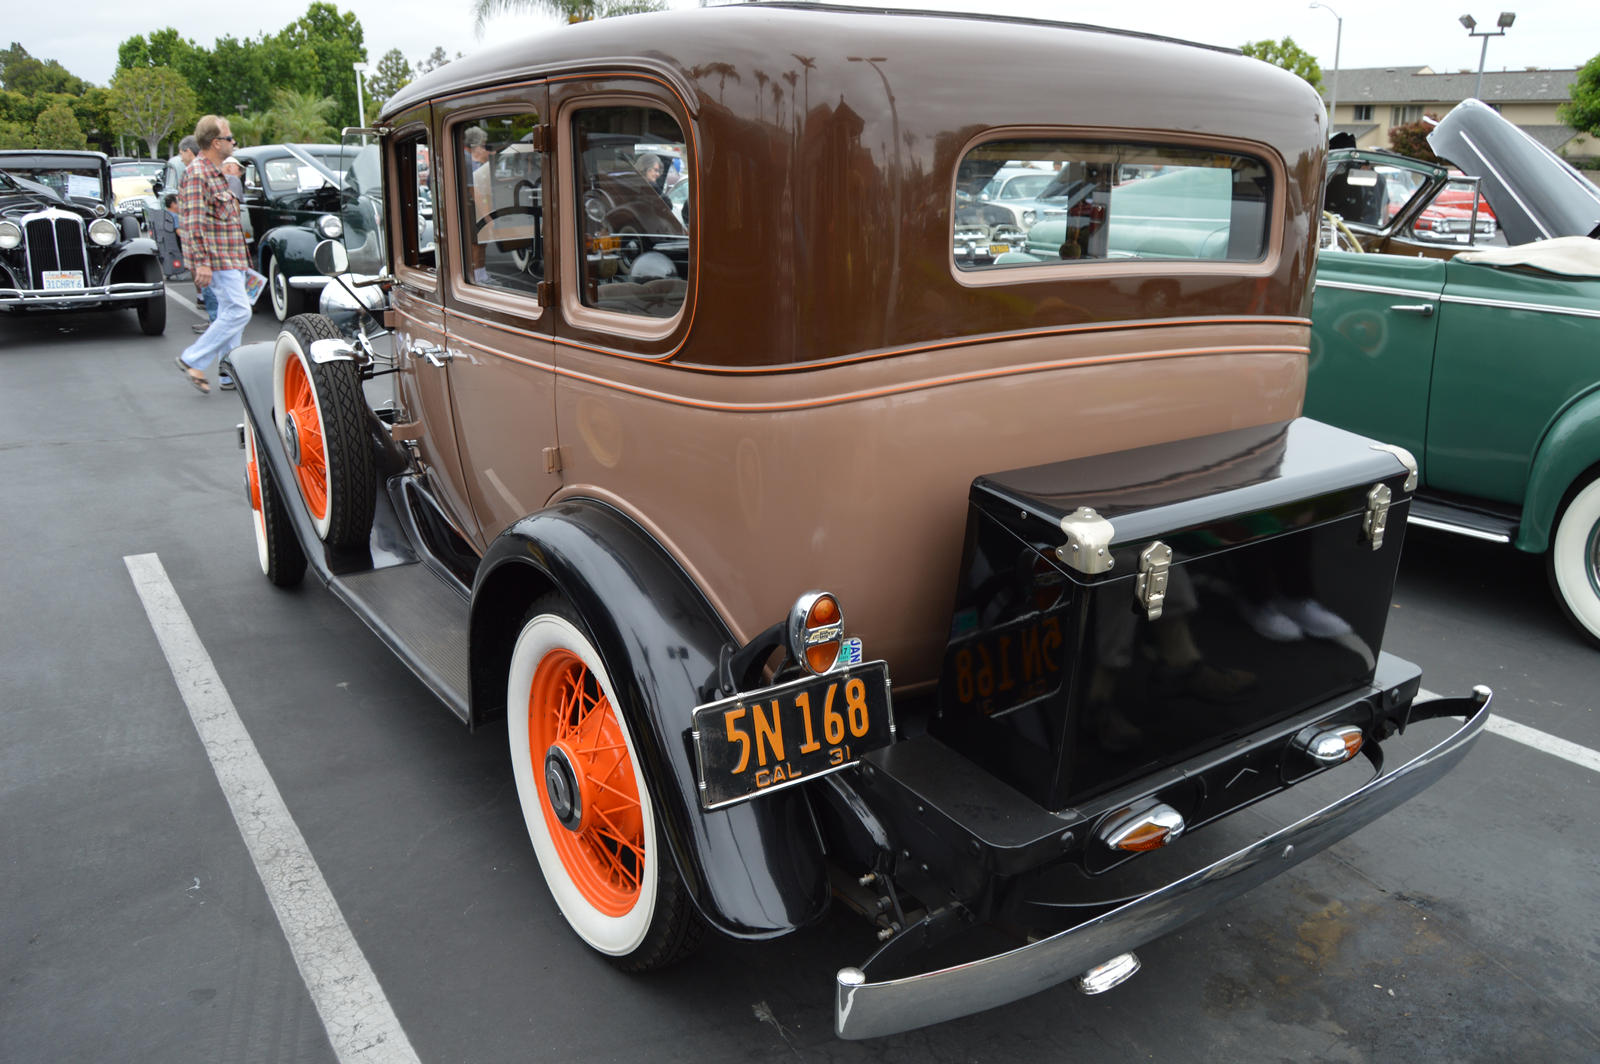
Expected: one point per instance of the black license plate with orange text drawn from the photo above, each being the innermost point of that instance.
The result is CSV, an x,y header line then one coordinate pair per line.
x,y
761,741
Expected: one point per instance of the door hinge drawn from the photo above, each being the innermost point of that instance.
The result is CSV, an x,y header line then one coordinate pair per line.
x,y
1377,518
545,293
541,138
552,459
1151,587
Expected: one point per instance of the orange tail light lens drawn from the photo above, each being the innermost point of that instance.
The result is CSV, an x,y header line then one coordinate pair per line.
x,y
1137,831
816,630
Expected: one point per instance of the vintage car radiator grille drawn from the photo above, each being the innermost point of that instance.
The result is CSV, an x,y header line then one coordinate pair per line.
x,y
55,242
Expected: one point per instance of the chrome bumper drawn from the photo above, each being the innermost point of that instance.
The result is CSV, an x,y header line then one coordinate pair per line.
x,y
865,1009
307,280
22,297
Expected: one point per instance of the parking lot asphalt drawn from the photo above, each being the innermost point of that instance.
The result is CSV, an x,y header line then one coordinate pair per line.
x,y
136,926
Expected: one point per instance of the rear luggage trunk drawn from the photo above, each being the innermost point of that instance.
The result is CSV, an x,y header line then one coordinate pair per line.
x,y
1121,613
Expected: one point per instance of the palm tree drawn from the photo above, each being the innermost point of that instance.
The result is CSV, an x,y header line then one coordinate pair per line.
x,y
572,10
301,116
250,129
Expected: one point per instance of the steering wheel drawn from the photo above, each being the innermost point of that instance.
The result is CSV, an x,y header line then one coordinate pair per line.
x,y
1337,235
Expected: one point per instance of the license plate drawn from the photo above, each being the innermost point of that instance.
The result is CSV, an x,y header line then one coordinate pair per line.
x,y
55,280
762,741
999,249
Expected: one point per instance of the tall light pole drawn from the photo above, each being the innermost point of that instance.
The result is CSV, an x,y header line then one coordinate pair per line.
x,y
361,104
1505,21
1338,37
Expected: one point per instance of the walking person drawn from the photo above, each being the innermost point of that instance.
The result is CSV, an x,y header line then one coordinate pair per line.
x,y
214,240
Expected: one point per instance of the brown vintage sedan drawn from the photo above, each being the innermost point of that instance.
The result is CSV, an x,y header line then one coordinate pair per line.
x,y
810,561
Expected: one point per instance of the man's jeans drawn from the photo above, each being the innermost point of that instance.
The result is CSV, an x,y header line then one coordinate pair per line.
x,y
209,298
225,333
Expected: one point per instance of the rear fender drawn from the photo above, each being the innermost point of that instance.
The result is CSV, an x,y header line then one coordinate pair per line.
x,y
754,870
1569,448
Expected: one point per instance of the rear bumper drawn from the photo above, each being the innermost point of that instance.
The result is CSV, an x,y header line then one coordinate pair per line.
x,y
865,1009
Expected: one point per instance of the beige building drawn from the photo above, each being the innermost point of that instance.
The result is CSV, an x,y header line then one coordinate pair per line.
x,y
1373,100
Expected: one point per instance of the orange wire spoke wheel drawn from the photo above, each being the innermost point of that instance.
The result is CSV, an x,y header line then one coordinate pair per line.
x,y
590,797
304,438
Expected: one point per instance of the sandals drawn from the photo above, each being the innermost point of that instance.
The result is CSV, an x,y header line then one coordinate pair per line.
x,y
196,378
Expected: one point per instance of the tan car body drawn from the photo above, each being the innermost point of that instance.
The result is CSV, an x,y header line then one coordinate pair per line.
x,y
813,416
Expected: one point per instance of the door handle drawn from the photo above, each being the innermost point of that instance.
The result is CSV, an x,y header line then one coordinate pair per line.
x,y
430,352
1425,309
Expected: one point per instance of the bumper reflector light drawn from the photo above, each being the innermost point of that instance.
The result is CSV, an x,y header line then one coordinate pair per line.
x,y
1331,746
1112,973
1138,830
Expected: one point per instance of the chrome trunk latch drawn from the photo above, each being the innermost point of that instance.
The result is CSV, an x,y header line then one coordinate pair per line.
x,y
1088,546
1377,518
1150,589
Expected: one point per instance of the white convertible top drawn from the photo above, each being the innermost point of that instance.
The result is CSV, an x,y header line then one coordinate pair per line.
x,y
1576,256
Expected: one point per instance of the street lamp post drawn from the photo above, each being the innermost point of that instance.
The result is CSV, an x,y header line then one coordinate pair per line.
x,y
1505,21
1338,38
361,105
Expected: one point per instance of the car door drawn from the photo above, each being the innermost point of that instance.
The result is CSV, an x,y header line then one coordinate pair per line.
x,y
1374,326
501,351
426,420
1516,347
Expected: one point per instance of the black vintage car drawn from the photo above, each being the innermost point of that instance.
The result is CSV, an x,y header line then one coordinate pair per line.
x,y
291,198
61,248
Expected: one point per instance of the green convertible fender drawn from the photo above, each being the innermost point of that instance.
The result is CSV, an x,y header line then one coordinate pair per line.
x,y
1570,446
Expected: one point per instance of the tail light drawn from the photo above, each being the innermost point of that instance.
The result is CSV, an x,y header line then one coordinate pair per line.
x,y
1330,746
816,631
1141,828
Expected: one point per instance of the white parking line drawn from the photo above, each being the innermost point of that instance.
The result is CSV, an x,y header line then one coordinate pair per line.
x,y
1541,741
187,303
356,1014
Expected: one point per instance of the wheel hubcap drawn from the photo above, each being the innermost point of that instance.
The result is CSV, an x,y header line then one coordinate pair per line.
x,y
564,787
291,437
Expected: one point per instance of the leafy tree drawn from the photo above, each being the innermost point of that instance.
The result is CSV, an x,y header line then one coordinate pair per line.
x,y
1412,140
166,48
435,60
1583,111
251,129
326,44
151,102
302,116
571,10
1289,56
21,72
391,76
243,74
96,113
15,135
57,128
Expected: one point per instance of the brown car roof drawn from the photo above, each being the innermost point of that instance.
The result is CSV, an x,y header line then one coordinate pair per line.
x,y
835,134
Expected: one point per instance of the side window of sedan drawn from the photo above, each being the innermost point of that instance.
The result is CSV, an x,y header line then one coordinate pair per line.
x,y
413,200
501,182
635,254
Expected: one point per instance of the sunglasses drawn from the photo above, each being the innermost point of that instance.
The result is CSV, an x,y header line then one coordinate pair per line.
x,y
228,139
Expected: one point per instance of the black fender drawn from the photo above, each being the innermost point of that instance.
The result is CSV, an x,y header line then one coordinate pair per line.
x,y
754,870
131,257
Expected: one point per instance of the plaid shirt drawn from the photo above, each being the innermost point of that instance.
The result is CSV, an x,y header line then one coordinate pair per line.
x,y
212,234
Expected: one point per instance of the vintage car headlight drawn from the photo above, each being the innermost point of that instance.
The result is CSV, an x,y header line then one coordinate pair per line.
x,y
10,236
1028,217
103,231
330,226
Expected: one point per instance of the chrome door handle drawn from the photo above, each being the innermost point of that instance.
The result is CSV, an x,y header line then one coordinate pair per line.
x,y
1425,309
431,353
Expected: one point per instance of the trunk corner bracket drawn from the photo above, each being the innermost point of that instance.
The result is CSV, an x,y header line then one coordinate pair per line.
x,y
1088,546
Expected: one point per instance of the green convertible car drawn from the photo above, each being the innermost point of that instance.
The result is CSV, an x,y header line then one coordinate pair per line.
x,y
1482,361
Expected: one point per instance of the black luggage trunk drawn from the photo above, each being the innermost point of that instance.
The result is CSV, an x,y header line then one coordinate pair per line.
x,y
1077,662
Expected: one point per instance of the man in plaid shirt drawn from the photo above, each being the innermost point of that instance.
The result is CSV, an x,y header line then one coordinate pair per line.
x,y
214,242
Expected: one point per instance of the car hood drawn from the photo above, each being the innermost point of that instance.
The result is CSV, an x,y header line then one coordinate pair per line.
x,y
1536,194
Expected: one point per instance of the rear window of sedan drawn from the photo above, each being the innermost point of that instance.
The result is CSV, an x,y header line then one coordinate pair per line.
x,y
1100,201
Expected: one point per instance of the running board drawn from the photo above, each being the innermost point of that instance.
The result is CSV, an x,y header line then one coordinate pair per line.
x,y
407,597
1431,513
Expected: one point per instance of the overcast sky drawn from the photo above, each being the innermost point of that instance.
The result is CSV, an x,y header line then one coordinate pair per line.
x,y
1547,33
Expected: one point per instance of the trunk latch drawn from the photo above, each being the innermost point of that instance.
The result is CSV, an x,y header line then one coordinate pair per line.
x,y
1151,586
1377,518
